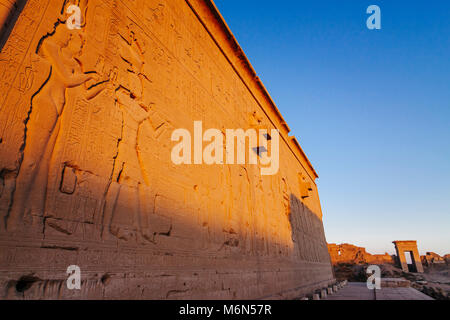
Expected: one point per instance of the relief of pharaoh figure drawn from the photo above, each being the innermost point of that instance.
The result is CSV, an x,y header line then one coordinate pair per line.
x,y
125,209
62,50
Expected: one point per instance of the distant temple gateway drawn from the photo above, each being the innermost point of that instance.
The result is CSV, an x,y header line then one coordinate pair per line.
x,y
90,94
351,254
410,247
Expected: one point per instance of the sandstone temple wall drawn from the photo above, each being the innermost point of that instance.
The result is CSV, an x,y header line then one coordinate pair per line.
x,y
86,178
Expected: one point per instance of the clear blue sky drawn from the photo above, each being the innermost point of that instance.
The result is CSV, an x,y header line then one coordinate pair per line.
x,y
371,109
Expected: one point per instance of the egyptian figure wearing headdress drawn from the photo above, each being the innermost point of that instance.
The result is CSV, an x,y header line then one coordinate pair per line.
x,y
62,50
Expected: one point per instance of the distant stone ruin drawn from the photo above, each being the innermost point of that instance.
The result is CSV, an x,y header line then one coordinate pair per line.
x,y
431,259
348,253
406,246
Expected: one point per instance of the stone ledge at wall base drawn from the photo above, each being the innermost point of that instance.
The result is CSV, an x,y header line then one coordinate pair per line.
x,y
324,292
395,283
298,293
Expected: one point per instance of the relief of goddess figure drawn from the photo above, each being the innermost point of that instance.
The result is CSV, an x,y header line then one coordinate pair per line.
x,y
62,50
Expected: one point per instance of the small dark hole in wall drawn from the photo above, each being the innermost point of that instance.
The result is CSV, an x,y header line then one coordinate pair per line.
x,y
1,140
259,150
25,283
106,278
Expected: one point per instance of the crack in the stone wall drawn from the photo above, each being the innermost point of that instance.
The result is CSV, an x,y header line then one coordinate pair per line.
x,y
110,180
119,175
56,247
24,142
50,34
173,292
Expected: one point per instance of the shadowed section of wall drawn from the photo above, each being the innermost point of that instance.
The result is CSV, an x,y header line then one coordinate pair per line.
x,y
9,12
86,176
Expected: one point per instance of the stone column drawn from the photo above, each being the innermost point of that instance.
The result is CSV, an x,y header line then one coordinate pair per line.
x,y
417,261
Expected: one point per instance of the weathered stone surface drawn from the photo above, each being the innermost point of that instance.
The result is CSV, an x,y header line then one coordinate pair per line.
x,y
395,282
86,178
408,246
432,258
447,258
348,253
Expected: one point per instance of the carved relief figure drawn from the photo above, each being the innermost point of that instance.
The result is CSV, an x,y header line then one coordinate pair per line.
x,y
125,209
62,50
245,205
239,214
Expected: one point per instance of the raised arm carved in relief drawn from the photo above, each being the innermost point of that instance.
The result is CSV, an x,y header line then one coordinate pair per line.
x,y
62,50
